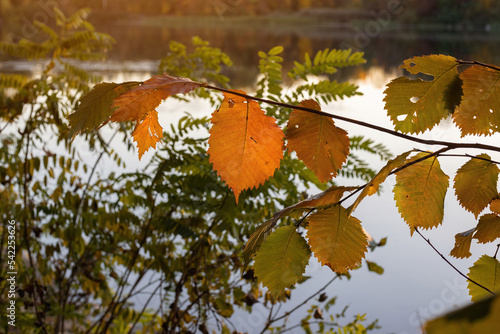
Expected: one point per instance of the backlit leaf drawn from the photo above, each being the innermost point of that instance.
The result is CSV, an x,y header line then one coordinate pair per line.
x,y
246,146
495,206
488,228
479,111
321,145
135,104
147,133
462,244
485,271
96,106
372,186
420,191
336,239
282,259
417,105
476,184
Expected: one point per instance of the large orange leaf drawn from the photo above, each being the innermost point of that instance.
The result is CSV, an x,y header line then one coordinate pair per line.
x,y
246,146
420,191
135,104
321,145
479,111
336,239
147,132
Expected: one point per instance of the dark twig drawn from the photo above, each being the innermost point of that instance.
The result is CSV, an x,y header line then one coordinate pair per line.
x,y
456,269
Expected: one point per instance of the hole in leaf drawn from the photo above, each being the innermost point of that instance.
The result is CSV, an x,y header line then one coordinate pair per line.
x,y
412,64
491,111
414,99
480,90
474,117
401,118
296,126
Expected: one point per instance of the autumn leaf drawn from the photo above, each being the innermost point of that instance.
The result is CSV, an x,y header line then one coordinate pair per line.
x,y
282,259
488,228
476,183
336,239
417,105
147,133
321,145
479,111
485,271
96,106
135,104
420,191
372,186
495,206
246,146
462,244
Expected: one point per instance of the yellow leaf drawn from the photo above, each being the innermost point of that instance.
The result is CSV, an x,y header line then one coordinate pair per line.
x,y
479,111
246,146
147,133
420,191
336,239
321,145
462,244
485,271
476,184
324,199
135,104
281,260
417,105
488,228
372,187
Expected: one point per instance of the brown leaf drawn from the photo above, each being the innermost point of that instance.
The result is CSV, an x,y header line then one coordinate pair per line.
x,y
321,145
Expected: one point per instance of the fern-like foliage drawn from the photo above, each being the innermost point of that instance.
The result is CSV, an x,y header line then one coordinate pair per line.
x,y
326,61
326,90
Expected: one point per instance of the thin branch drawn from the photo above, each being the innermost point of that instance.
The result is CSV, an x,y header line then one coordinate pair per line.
x,y
496,252
475,62
361,123
305,301
456,269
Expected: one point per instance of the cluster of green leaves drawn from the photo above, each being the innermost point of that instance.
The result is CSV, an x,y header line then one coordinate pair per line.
x,y
87,246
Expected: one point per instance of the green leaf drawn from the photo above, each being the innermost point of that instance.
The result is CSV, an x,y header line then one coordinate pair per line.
x,y
488,228
417,105
373,186
479,111
420,191
485,271
276,50
462,244
336,239
372,266
476,183
96,106
281,260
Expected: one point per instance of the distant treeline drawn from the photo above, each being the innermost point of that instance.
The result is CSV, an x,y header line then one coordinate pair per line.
x,y
406,11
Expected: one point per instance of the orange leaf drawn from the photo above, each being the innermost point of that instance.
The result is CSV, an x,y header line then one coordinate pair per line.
x,y
138,102
246,146
321,145
147,133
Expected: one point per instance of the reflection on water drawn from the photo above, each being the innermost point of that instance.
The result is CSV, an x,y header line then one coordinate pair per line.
x,y
139,48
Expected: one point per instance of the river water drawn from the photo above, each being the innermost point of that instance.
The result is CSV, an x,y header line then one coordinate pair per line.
x,y
417,284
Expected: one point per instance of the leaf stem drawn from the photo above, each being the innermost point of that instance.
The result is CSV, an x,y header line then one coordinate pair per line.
x,y
456,269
